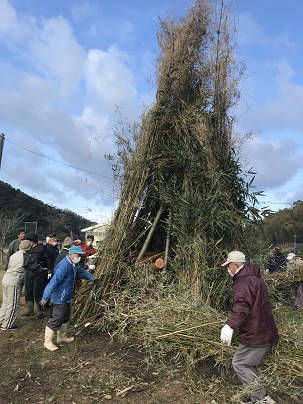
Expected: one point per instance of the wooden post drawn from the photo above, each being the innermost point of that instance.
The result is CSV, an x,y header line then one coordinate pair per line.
x,y
2,137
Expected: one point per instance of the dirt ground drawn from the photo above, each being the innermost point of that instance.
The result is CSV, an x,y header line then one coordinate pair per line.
x,y
90,369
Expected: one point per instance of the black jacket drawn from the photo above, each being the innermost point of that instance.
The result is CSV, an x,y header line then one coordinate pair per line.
x,y
40,256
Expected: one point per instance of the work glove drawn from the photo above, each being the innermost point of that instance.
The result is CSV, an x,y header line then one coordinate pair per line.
x,y
42,302
91,268
92,256
226,334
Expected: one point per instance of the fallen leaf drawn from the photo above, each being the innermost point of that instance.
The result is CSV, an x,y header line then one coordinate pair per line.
x,y
107,397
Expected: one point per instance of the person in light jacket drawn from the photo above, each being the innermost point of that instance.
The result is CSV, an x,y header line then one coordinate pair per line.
x,y
12,283
59,292
252,315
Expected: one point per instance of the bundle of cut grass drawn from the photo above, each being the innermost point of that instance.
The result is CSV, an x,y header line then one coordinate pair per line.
x,y
279,280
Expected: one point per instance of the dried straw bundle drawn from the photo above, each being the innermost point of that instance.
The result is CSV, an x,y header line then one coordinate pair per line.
x,y
279,280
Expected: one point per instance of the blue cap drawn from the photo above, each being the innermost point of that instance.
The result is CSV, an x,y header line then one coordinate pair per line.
x,y
75,249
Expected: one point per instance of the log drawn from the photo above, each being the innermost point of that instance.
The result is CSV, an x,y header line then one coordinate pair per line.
x,y
153,267
159,263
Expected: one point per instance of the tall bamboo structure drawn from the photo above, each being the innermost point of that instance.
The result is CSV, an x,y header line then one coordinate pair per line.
x,y
183,189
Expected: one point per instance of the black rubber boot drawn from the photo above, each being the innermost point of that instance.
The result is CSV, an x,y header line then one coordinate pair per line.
x,y
40,310
30,309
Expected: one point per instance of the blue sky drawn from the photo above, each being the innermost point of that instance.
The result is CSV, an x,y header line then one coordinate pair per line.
x,y
65,66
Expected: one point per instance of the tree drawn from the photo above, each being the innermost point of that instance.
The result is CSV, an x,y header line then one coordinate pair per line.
x,y
9,222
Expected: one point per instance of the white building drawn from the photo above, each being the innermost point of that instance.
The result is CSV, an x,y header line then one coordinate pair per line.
x,y
98,231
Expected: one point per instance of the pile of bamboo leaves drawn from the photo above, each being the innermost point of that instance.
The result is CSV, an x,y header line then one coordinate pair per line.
x,y
169,323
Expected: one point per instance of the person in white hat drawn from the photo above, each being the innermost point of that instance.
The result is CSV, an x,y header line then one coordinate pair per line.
x,y
296,289
252,316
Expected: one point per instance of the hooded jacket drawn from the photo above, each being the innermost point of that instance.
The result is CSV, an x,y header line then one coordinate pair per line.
x,y
60,288
251,311
19,262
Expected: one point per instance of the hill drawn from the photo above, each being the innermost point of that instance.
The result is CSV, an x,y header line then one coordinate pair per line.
x,y
49,219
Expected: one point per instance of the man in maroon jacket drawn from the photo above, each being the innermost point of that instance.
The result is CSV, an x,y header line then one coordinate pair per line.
x,y
252,315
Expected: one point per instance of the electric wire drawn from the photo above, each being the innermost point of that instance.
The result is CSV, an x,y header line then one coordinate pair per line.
x,y
59,162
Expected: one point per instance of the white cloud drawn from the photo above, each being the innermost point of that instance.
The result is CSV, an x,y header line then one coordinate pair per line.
x,y
13,28
276,163
109,80
281,108
56,53
59,101
84,10
252,33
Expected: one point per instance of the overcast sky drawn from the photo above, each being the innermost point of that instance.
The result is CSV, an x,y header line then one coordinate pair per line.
x,y
66,66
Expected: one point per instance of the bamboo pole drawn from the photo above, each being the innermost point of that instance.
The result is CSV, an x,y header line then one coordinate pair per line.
x,y
150,234
167,240
187,329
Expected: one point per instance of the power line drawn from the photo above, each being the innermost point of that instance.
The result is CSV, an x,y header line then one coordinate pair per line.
x,y
59,162
104,176
278,203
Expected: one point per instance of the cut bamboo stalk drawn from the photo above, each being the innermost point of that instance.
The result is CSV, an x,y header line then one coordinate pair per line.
x,y
167,240
187,329
150,234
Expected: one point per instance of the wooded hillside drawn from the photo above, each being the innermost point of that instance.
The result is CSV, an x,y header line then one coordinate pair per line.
x,y
285,226
49,218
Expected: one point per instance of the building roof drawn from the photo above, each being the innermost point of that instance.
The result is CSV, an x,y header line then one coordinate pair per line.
x,y
95,227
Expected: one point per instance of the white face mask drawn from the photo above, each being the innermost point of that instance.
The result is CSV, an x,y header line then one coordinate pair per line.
x,y
54,243
230,273
76,260
88,243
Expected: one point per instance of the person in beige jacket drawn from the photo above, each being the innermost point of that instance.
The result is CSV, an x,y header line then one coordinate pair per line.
x,y
12,282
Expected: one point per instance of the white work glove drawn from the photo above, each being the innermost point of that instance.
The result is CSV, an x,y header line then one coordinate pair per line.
x,y
226,334
92,256
42,302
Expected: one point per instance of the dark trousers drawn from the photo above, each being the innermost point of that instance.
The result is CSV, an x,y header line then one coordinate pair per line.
x,y
34,286
60,314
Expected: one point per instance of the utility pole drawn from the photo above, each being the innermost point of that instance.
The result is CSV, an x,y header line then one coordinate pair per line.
x,y
295,244
2,137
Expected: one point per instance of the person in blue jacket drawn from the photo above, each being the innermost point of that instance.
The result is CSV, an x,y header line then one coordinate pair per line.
x,y
59,292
